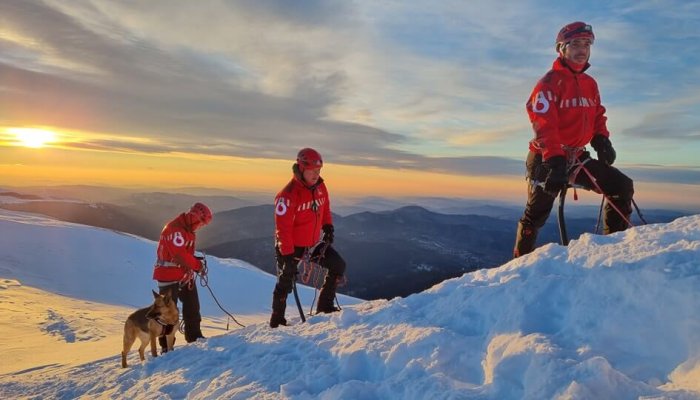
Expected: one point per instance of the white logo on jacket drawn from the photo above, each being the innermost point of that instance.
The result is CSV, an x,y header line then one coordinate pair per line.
x,y
281,207
540,104
178,240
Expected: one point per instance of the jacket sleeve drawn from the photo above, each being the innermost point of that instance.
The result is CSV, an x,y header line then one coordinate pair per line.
x,y
327,217
600,126
543,110
188,260
180,252
285,209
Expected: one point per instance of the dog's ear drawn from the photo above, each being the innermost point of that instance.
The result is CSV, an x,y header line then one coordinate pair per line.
x,y
155,295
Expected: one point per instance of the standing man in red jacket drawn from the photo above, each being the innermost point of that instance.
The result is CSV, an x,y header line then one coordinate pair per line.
x,y
302,210
177,265
566,115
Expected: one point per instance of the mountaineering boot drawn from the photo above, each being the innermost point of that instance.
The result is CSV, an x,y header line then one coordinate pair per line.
x,y
193,331
277,320
613,220
524,240
327,294
618,206
327,310
279,306
193,337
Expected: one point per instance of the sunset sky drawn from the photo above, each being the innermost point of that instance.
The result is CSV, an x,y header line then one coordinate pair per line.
x,y
400,97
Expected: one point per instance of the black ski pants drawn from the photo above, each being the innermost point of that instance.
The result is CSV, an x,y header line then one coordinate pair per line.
x,y
187,294
617,186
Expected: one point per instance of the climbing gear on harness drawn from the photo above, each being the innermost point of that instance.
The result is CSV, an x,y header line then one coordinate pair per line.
x,y
308,270
575,165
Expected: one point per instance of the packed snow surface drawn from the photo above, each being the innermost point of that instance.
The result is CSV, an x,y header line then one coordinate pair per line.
x,y
608,317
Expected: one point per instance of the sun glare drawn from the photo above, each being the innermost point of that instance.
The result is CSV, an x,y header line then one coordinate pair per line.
x,y
32,137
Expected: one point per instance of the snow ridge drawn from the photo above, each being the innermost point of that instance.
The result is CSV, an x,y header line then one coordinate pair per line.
x,y
608,317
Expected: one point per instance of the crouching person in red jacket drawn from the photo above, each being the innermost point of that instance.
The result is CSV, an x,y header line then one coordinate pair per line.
x,y
177,265
302,210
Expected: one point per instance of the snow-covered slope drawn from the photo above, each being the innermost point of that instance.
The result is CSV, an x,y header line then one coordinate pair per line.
x,y
59,281
111,267
609,317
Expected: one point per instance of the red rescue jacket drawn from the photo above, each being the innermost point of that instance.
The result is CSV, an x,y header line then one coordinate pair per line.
x,y
565,110
300,212
176,251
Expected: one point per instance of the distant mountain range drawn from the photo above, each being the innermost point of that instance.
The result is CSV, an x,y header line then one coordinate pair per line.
x,y
124,219
142,214
388,253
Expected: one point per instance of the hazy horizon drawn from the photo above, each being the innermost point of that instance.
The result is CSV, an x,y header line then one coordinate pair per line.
x,y
401,98
342,205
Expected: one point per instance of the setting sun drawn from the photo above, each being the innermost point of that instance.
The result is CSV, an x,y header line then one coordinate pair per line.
x,y
32,137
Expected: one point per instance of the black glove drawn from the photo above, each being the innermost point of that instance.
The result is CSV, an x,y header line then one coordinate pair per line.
x,y
328,235
601,144
557,178
202,263
289,261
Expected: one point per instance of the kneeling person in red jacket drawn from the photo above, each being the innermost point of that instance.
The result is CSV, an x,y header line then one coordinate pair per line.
x,y
302,210
176,266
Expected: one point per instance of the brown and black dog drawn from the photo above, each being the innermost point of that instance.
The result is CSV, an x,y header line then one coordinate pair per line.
x,y
149,323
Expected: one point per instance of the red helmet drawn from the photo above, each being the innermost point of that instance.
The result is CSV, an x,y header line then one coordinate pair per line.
x,y
309,158
574,30
201,211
